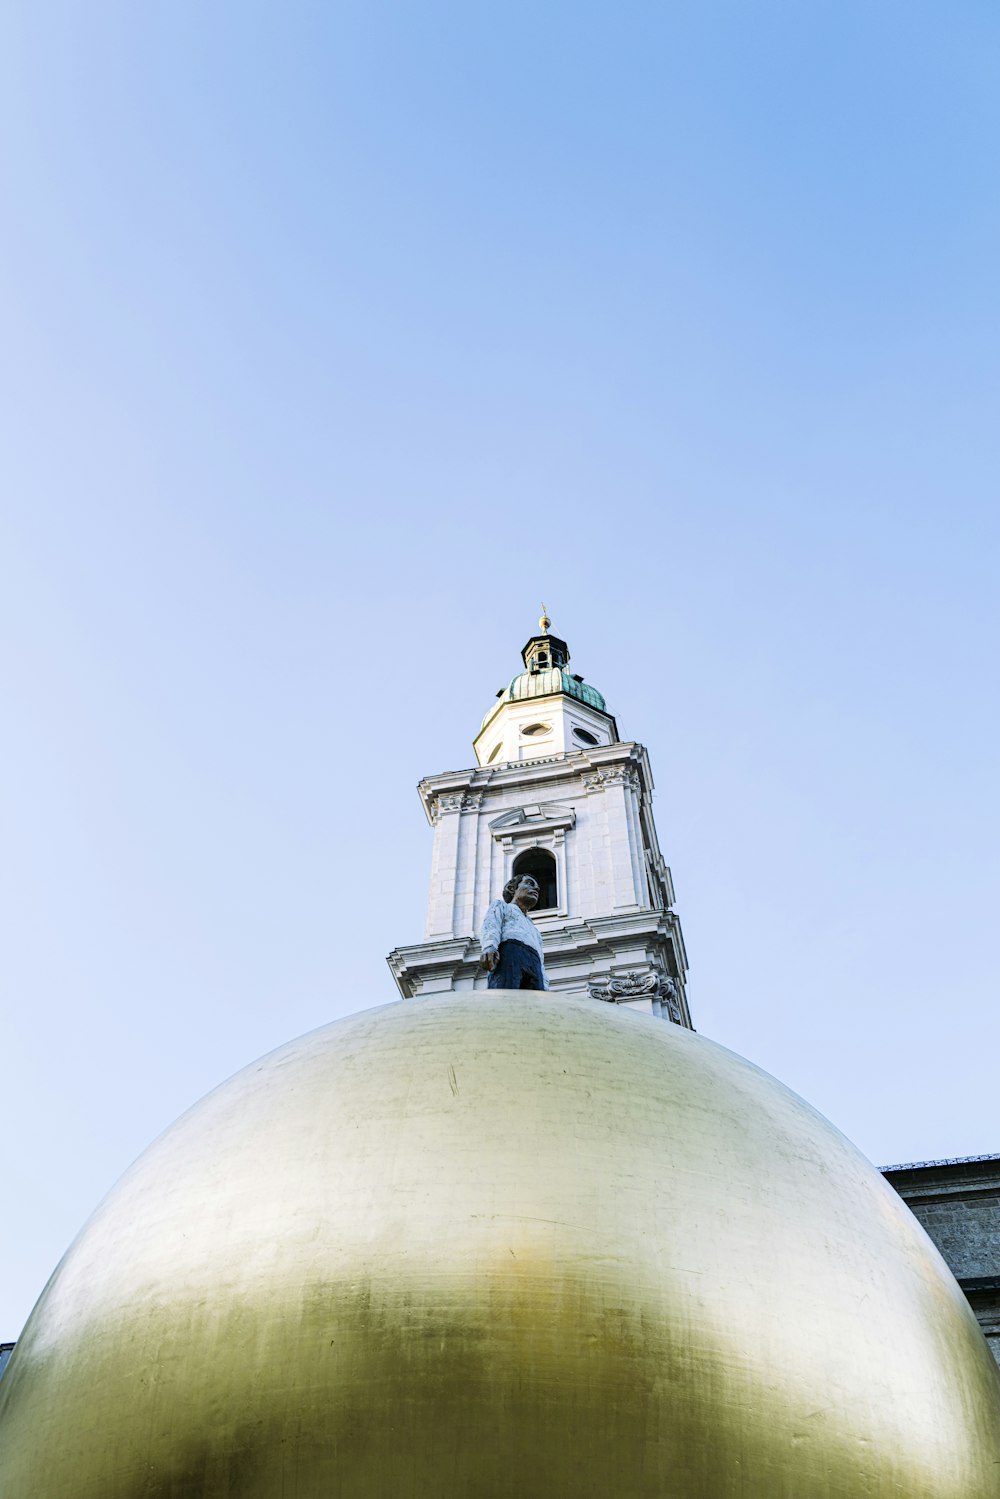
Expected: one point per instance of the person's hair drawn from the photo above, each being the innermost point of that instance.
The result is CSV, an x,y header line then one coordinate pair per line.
x,y
510,889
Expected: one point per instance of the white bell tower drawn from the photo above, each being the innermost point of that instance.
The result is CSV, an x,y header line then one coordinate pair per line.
x,y
558,795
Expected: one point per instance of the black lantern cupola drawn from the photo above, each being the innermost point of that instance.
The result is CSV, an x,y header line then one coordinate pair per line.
x,y
545,652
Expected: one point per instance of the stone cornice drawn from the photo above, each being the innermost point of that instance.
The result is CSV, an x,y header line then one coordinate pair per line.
x,y
595,940
599,929
963,1180
605,765
438,958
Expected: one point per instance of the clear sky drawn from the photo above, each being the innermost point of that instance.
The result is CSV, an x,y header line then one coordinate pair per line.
x,y
336,337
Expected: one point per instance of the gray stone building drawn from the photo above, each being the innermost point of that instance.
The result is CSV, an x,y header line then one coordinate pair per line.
x,y
958,1203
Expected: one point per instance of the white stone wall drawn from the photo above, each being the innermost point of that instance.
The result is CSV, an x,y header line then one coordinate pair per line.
x,y
589,809
503,737
592,810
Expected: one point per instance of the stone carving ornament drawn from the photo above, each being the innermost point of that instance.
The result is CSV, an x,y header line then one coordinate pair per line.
x,y
637,985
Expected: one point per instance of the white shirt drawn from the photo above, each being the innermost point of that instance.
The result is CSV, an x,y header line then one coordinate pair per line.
x,y
508,923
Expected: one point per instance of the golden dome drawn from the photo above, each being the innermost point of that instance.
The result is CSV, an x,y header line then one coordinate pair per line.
x,y
488,1245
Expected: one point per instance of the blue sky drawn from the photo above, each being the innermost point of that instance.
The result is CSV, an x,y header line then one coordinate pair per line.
x,y
336,338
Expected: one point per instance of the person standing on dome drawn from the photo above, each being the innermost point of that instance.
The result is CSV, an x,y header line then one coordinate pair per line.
x,y
511,943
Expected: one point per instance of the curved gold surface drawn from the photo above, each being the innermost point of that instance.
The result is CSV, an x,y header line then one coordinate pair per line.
x,y
494,1245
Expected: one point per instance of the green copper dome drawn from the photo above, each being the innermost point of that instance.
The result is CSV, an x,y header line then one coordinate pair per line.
x,y
546,662
540,683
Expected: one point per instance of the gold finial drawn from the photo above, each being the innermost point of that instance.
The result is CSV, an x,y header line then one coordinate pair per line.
x,y
544,622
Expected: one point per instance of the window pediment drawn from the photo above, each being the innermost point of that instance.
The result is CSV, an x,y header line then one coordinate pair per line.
x,y
536,817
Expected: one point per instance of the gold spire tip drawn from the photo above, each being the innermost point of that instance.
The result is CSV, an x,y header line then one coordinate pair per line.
x,y
544,622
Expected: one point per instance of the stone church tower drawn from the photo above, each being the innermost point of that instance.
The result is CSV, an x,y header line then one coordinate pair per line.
x,y
557,794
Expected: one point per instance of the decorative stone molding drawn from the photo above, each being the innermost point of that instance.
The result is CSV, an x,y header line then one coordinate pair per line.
x,y
666,993
626,986
638,985
441,965
452,801
614,775
445,801
541,825
542,817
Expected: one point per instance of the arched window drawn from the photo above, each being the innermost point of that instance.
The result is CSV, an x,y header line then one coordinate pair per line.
x,y
541,865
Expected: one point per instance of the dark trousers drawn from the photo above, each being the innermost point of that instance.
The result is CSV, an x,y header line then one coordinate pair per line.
x,y
519,967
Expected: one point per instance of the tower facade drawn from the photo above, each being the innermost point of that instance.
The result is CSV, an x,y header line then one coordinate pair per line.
x,y
557,794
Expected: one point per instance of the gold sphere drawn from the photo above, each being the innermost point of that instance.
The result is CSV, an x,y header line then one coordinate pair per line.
x,y
492,1245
